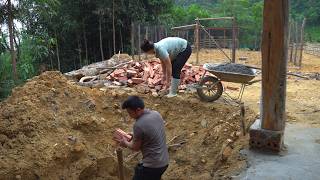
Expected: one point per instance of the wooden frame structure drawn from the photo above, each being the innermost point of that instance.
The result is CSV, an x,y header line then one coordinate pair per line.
x,y
197,27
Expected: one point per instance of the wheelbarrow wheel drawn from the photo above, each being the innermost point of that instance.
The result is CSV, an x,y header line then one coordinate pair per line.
x,y
210,89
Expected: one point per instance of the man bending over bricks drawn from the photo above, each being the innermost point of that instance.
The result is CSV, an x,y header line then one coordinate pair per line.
x,y
149,137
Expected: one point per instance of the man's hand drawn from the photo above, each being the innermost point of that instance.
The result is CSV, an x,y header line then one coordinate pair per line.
x,y
121,140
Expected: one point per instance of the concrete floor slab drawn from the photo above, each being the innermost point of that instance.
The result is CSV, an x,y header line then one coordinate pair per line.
x,y
301,161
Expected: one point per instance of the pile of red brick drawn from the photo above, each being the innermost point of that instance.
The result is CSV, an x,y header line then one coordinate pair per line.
x,y
149,73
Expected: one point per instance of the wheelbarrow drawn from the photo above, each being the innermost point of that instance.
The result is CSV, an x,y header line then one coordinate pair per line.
x,y
210,87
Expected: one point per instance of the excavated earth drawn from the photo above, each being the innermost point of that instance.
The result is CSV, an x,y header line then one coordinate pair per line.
x,y
51,128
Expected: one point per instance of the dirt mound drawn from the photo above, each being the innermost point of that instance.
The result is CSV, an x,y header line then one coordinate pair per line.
x,y
53,129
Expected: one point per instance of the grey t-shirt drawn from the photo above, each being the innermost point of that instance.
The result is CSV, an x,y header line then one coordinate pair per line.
x,y
149,128
170,47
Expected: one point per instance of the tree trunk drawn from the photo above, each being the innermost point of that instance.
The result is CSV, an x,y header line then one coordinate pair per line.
x,y
100,36
11,37
114,29
121,41
17,43
57,52
85,43
139,41
132,40
79,52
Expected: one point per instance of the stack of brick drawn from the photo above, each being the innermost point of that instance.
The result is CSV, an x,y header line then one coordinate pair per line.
x,y
149,73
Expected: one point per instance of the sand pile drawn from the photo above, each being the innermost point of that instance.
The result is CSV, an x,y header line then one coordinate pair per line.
x,y
53,129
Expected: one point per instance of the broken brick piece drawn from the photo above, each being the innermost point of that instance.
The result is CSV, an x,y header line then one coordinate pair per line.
x,y
118,72
137,80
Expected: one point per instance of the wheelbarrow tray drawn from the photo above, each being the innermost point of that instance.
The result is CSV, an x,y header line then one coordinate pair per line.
x,y
232,77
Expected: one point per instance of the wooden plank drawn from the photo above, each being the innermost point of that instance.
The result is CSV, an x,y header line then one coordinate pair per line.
x,y
191,26
217,18
274,64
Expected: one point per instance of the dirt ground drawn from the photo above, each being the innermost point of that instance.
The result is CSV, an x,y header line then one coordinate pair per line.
x,y
53,129
310,63
302,95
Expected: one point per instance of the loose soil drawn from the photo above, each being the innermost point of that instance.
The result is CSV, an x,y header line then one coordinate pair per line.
x,y
51,128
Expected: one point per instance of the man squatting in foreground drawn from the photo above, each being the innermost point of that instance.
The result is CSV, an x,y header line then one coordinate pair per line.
x,y
149,137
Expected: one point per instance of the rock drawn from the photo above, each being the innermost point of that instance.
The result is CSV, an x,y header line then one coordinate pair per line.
x,y
18,176
72,139
238,134
78,148
155,94
203,161
204,123
90,104
116,106
226,153
229,141
143,89
3,138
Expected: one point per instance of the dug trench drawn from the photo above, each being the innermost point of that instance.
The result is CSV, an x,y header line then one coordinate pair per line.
x,y
51,128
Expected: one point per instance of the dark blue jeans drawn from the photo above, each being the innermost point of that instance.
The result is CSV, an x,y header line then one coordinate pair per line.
x,y
180,61
145,173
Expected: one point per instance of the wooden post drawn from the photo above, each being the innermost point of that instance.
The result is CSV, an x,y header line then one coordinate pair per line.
x,y
120,164
268,133
296,44
113,29
146,37
224,38
132,40
197,40
139,41
233,40
291,41
302,41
